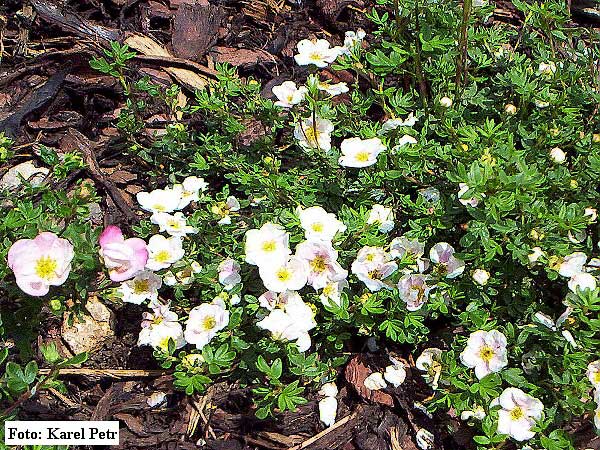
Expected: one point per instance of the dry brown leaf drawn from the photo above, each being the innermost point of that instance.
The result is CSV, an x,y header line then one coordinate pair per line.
x,y
149,47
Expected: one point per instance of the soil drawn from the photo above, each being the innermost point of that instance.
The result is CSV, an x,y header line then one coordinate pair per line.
x,y
50,96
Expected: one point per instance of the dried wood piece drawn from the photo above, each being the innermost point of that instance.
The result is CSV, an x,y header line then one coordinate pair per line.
x,y
241,57
356,372
195,29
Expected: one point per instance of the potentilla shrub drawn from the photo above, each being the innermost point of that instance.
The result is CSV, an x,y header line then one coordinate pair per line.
x,y
450,189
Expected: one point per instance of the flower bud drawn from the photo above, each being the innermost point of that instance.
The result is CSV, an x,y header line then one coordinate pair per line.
x,y
481,276
510,109
446,102
557,155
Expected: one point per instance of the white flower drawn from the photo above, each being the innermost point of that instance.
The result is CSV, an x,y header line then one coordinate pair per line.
x,y
592,213
156,399
463,189
572,264
169,279
329,390
333,291
593,373
333,89
191,190
597,418
322,263
290,275
229,273
373,265
357,152
173,224
382,216
291,323
392,124
162,251
481,276
425,439
161,200
267,245
407,139
442,254
546,68
569,338
352,39
196,267
159,326
224,209
317,52
402,246
328,410
536,253
143,287
205,321
557,155
518,414
288,94
413,290
429,361
477,413
582,281
314,134
395,374
318,224
446,102
545,320
375,382
486,352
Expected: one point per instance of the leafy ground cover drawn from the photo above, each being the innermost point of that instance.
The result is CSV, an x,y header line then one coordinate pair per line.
x,y
331,225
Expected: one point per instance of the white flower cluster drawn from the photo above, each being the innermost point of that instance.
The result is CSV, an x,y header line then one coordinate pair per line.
x,y
162,325
314,132
283,274
574,267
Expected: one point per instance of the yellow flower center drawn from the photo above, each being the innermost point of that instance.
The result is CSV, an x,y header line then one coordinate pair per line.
x,y
370,257
162,256
269,246
486,353
290,98
318,264
209,323
516,413
374,275
159,208
46,267
328,290
174,224
597,377
141,286
312,135
316,56
283,275
317,227
362,156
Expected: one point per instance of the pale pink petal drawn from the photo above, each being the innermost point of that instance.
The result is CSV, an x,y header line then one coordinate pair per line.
x,y
111,234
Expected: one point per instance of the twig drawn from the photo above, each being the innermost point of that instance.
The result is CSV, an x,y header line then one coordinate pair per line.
x,y
109,373
325,432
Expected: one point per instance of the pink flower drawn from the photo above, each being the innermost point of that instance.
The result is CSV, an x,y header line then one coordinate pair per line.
x,y
40,263
124,258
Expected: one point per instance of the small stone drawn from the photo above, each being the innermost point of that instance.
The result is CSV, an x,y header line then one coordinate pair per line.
x,y
89,332
12,179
